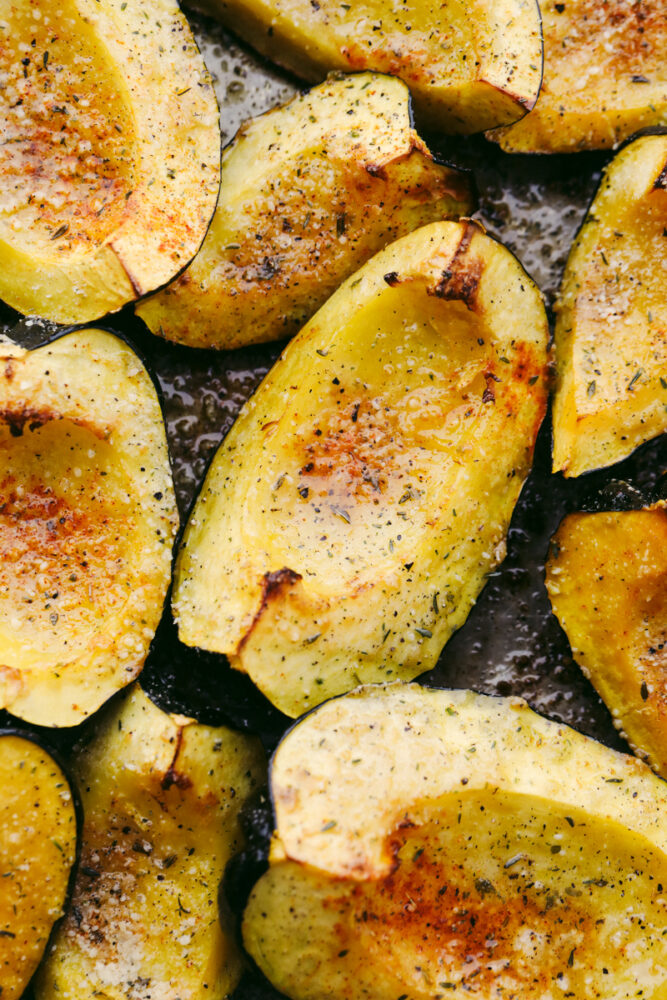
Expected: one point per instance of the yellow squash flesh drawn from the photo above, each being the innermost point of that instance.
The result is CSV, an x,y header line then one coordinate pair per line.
x,y
611,326
309,192
436,843
109,153
37,851
469,65
349,520
161,796
87,524
605,77
607,581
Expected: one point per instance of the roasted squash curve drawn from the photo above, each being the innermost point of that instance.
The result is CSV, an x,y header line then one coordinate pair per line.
x,y
434,843
109,153
309,192
611,318
350,518
87,524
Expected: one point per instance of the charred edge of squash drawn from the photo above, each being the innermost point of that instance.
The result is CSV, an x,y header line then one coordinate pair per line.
x,y
274,585
173,776
377,170
136,287
16,419
660,183
462,278
527,103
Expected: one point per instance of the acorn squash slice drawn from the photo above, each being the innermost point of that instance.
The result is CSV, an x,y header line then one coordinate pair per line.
x,y
469,65
161,797
611,327
349,519
432,844
109,153
38,836
87,523
309,192
605,77
607,581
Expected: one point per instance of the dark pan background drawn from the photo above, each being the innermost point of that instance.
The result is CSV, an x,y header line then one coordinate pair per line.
x,y
511,644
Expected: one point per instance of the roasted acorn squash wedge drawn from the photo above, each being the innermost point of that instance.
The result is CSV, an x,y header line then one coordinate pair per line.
x,y
161,796
309,192
38,837
436,843
605,77
611,326
87,523
109,153
469,66
349,520
607,581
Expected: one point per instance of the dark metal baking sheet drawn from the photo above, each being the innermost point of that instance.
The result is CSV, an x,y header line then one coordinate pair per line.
x,y
511,644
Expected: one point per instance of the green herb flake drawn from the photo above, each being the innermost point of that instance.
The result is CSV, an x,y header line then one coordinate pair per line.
x,y
638,374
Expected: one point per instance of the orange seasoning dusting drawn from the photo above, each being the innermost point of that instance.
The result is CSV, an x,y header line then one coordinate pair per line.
x,y
57,557
66,149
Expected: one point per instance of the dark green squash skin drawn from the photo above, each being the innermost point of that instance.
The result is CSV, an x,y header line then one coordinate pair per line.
x,y
33,735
